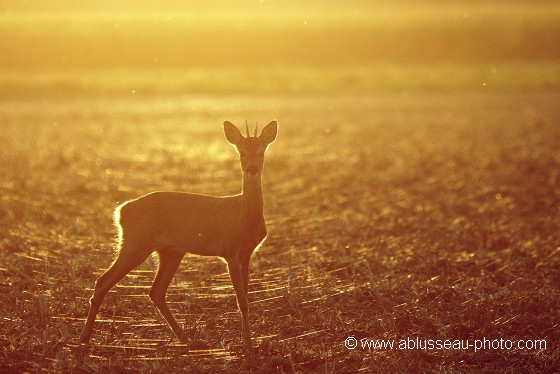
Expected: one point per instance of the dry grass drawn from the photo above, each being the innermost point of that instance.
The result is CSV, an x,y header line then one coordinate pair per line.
x,y
408,195
427,216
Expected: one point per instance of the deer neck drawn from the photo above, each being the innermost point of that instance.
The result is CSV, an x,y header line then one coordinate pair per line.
x,y
252,199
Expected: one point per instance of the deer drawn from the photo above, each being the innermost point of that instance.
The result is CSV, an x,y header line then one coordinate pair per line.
x,y
175,223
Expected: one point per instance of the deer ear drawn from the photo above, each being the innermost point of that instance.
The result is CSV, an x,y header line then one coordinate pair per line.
x,y
268,134
232,133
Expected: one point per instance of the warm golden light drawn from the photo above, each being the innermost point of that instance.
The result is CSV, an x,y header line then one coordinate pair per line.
x,y
274,46
411,193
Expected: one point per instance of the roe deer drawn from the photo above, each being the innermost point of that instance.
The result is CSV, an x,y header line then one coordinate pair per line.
x,y
174,223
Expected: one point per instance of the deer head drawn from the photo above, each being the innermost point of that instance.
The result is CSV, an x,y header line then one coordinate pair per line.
x,y
251,149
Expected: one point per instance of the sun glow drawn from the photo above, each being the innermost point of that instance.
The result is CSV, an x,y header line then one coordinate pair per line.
x,y
272,46
413,189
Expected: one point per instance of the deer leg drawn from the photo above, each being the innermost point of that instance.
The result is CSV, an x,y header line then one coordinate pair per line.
x,y
245,274
235,274
169,261
127,260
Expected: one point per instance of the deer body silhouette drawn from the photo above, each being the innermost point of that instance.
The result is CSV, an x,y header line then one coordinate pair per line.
x,y
174,223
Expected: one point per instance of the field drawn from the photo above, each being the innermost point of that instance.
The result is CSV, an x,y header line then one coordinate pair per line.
x,y
412,195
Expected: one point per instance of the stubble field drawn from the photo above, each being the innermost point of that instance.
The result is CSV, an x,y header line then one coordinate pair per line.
x,y
429,216
412,196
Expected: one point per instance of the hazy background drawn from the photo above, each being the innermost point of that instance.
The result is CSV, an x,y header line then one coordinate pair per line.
x,y
69,47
